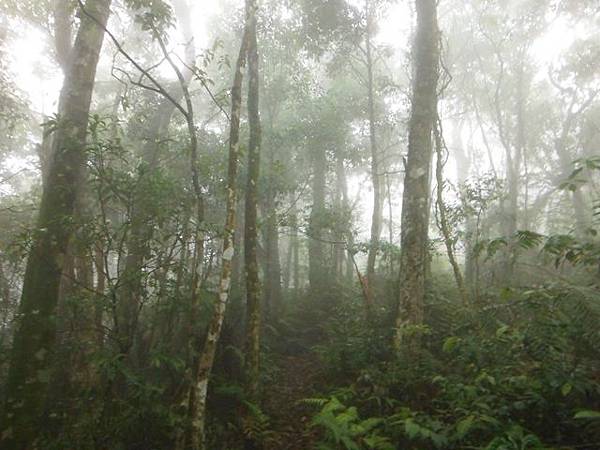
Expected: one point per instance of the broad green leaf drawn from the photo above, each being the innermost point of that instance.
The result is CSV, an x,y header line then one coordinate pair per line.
x,y
450,343
587,414
464,426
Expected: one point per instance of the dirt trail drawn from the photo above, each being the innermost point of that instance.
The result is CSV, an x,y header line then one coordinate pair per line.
x,y
299,378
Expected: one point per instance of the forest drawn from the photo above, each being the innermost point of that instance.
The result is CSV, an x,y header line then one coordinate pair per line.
x,y
299,224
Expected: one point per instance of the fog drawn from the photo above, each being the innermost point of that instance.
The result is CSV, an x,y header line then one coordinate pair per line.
x,y
276,224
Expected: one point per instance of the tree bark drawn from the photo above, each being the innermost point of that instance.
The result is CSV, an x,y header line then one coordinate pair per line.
x,y
197,400
341,205
377,215
294,250
253,309
34,336
415,201
316,268
273,263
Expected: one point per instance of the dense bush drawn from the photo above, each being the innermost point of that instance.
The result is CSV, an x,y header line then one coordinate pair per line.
x,y
515,371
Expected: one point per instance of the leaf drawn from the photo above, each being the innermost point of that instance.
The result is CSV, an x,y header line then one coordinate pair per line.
x,y
370,423
502,331
378,442
349,443
587,414
411,428
450,343
464,426
566,389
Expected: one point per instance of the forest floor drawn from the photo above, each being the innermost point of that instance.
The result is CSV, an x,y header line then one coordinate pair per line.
x,y
300,376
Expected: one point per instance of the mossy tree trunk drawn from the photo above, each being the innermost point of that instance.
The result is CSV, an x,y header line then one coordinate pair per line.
x,y
196,403
415,201
35,335
253,309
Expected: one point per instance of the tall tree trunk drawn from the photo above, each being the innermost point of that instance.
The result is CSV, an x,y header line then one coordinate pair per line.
x,y
271,238
388,183
415,201
376,218
295,249
316,267
463,167
62,32
253,312
100,290
196,402
289,256
341,205
581,215
35,334
5,304
513,169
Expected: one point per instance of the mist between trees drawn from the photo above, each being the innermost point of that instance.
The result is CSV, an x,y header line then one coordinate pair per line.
x,y
311,224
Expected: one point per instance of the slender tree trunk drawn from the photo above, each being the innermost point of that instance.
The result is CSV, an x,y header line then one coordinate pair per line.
x,y
100,292
273,270
5,304
415,202
376,218
237,264
253,312
295,247
582,219
463,167
513,165
273,263
341,207
287,274
197,400
316,268
35,334
443,223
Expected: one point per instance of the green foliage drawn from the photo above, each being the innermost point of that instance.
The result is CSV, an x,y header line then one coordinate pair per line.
x,y
513,372
581,173
152,15
345,430
350,343
516,439
587,415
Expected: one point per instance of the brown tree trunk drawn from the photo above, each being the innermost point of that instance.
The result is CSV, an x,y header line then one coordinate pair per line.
x,y
253,310
287,273
316,267
34,336
273,264
376,218
294,250
341,205
194,437
415,201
